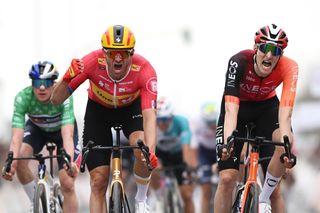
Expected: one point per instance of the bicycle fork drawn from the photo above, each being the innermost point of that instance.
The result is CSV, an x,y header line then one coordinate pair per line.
x,y
254,165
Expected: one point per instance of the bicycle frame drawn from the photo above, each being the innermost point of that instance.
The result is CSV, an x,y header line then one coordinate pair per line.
x,y
45,186
173,200
118,201
252,179
249,197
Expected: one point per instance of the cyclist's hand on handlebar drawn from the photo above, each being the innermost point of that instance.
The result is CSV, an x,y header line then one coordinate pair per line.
x,y
75,68
153,160
288,163
9,175
225,154
73,170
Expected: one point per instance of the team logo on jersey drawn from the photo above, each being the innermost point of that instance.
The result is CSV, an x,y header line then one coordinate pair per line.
x,y
102,61
232,70
135,67
152,85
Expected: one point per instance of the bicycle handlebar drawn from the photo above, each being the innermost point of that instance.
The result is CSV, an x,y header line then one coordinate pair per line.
x,y
39,157
90,146
258,141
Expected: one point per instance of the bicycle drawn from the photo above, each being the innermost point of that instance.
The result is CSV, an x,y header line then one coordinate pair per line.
x,y
173,202
247,194
48,197
118,201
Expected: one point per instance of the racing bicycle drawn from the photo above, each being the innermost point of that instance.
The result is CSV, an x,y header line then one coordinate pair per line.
x,y
48,197
247,194
118,201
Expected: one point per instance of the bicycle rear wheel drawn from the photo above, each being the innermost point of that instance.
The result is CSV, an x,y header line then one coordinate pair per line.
x,y
40,200
251,204
116,201
58,198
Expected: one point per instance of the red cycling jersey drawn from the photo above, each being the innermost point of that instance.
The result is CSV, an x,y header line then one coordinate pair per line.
x,y
242,83
140,81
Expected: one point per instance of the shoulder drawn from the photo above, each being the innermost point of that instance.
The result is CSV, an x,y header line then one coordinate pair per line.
x,y
244,55
288,67
287,62
94,57
25,93
140,63
180,119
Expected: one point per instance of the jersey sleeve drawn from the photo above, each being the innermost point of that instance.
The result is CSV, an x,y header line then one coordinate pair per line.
x,y
290,72
148,82
185,130
68,113
235,71
20,110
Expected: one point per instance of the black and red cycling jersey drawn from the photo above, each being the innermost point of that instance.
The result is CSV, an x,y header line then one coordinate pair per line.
x,y
140,81
243,84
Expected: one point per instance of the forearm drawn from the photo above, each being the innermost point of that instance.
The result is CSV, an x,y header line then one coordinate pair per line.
x,y
17,138
60,93
149,126
285,115
67,136
230,119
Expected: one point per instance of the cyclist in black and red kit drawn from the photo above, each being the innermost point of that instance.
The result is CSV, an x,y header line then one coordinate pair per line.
x,y
123,89
250,96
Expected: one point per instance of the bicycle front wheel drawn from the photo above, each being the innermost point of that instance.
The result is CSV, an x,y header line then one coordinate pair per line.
x,y
58,198
40,200
236,206
251,204
116,201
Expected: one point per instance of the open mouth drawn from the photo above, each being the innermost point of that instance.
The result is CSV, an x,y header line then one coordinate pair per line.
x,y
117,66
266,63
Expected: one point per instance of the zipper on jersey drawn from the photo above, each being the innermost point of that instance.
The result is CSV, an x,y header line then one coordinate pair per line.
x,y
115,94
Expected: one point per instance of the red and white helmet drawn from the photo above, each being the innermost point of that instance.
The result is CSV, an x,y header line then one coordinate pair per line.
x,y
271,34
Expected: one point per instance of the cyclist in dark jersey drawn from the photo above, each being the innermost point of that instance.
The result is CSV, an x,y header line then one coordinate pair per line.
x,y
123,89
46,123
249,96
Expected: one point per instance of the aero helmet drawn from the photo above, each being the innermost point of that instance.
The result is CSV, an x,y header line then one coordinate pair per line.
x,y
209,112
43,70
118,37
164,107
271,34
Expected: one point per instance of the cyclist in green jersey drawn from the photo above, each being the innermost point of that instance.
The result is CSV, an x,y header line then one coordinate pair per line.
x,y
46,123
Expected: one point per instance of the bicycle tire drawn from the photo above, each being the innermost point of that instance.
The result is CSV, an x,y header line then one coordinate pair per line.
x,y
169,202
40,200
251,204
116,202
236,206
58,198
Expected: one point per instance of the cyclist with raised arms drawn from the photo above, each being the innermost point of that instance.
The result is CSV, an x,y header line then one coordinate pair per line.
x,y
173,149
123,89
249,96
46,123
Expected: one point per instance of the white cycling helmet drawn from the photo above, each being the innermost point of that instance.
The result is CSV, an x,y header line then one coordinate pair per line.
x,y
164,107
209,112
43,70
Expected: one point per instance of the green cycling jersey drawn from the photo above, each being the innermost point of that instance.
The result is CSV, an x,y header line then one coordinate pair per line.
x,y
46,116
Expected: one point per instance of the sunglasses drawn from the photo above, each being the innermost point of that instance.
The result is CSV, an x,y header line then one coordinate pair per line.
x,y
112,54
275,50
36,83
163,119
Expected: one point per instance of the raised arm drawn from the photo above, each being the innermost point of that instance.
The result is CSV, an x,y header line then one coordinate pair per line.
x,y
60,93
62,90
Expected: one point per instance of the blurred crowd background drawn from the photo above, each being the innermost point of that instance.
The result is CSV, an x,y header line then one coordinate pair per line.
x,y
189,44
